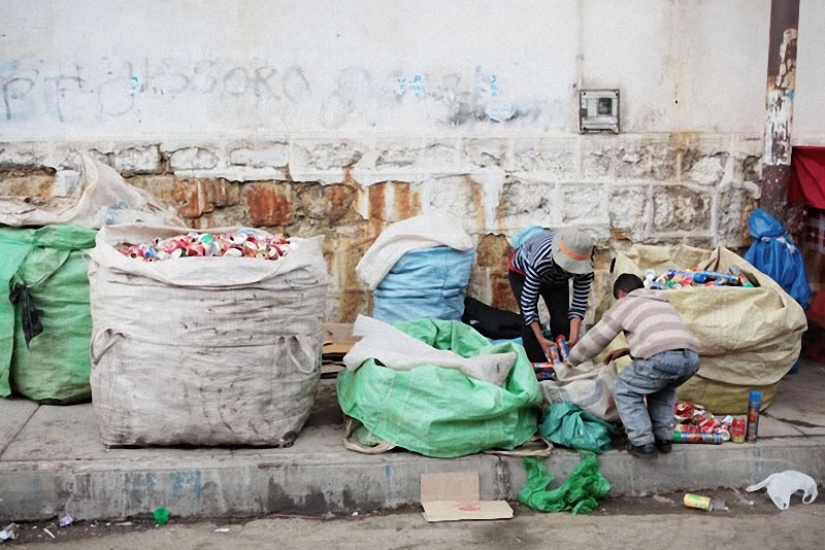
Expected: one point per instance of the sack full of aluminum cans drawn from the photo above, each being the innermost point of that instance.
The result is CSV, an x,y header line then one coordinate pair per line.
x,y
204,338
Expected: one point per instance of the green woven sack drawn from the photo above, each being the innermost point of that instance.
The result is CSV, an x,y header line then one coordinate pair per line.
x,y
439,411
54,366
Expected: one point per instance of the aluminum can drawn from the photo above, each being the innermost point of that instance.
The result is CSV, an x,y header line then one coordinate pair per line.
x,y
697,501
564,348
737,430
709,439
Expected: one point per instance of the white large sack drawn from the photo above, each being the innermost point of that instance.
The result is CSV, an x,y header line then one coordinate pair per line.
x,y
207,350
102,197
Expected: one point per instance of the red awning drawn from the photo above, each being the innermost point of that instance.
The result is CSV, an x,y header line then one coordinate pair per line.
x,y
807,183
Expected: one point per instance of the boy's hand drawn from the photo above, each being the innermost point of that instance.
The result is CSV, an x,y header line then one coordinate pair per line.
x,y
615,354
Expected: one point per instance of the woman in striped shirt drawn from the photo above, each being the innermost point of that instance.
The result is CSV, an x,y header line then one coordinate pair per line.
x,y
543,265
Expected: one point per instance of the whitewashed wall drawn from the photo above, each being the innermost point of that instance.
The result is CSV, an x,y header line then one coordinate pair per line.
x,y
387,108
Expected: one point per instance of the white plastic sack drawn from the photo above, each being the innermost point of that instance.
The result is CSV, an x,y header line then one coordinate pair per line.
x,y
425,231
207,350
588,386
781,486
101,198
401,352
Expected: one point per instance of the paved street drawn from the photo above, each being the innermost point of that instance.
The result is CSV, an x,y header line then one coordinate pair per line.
x,y
628,525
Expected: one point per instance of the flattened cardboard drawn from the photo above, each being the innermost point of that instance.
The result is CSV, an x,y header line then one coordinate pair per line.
x,y
456,497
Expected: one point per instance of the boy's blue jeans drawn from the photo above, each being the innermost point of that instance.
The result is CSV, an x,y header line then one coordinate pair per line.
x,y
657,378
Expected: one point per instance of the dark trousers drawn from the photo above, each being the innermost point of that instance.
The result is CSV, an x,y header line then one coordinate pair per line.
x,y
557,299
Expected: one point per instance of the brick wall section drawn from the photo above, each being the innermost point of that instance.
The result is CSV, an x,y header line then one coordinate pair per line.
x,y
694,189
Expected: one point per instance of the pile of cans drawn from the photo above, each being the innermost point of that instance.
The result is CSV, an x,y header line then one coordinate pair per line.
x,y
677,278
246,243
696,425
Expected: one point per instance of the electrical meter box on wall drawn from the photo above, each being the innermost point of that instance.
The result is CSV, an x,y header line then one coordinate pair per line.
x,y
599,111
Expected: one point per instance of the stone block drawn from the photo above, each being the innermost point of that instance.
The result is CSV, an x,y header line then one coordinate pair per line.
x,y
528,202
457,196
493,251
193,158
629,213
483,152
275,155
163,187
582,203
598,156
65,183
736,204
270,203
315,155
137,160
646,159
33,183
704,160
330,204
12,155
551,156
196,196
679,208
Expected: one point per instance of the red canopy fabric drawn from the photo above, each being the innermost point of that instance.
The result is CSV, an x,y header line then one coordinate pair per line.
x,y
807,183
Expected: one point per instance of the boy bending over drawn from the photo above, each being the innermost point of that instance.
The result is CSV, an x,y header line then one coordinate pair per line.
x,y
665,355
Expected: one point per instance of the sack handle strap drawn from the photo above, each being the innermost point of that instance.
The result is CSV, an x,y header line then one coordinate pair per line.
x,y
112,339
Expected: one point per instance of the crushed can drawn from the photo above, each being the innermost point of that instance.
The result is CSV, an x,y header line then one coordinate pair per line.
x,y
701,502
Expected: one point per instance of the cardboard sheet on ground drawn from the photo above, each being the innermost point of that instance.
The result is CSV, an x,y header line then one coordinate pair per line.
x,y
456,497
750,337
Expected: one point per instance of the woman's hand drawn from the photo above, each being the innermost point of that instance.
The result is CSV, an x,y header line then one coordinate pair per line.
x,y
575,329
545,346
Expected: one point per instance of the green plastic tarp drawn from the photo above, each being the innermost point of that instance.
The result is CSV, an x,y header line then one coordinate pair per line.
x,y
580,493
440,412
54,367
568,425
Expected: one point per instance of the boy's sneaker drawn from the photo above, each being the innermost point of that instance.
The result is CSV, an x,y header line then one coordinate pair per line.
x,y
664,447
648,450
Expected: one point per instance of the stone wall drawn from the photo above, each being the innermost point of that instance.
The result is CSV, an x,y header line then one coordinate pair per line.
x,y
692,188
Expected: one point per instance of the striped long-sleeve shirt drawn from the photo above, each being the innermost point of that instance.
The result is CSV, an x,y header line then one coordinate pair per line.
x,y
535,260
650,324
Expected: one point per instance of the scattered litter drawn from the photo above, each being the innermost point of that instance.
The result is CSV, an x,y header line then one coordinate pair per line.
x,y
64,520
704,503
222,530
244,243
124,523
161,516
46,530
329,515
354,514
781,486
663,500
9,532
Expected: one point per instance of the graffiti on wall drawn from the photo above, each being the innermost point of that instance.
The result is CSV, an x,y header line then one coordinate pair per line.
x,y
136,91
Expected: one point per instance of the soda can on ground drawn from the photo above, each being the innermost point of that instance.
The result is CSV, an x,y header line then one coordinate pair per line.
x,y
709,439
697,501
737,430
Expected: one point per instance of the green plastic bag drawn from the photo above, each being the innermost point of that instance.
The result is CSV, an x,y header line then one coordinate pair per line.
x,y
568,425
580,493
438,411
54,366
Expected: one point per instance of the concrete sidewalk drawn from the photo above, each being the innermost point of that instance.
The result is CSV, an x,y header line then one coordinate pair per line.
x,y
51,460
